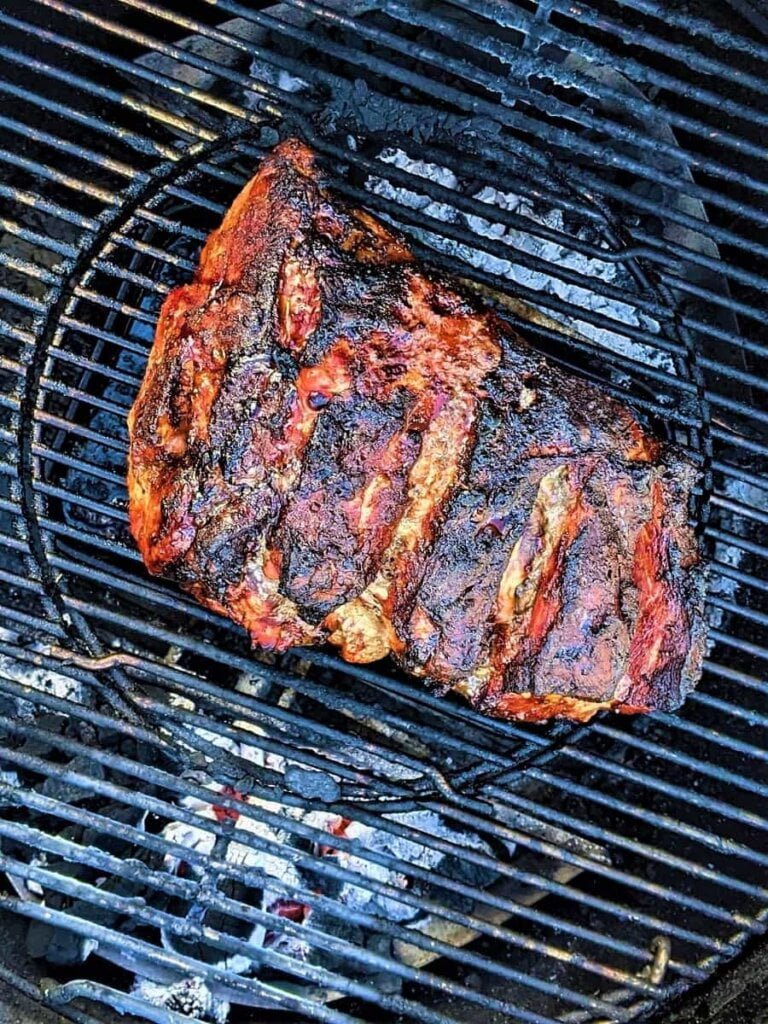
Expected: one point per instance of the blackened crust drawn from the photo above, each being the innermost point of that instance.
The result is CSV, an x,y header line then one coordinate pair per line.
x,y
332,444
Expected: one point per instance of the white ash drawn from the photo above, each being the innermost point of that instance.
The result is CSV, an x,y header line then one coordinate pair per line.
x,y
556,255
238,963
269,74
26,888
191,997
267,864
421,855
238,747
42,680
289,880
370,762
9,778
202,840
725,587
251,684
289,945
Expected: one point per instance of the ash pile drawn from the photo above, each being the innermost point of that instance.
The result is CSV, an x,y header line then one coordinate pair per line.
x,y
263,883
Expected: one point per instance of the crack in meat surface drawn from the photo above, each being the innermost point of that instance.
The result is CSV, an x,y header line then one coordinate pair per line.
x,y
332,444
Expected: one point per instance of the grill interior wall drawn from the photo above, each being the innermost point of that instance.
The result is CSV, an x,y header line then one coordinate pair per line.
x,y
114,169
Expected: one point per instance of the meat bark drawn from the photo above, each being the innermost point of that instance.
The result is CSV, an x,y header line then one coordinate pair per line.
x,y
333,444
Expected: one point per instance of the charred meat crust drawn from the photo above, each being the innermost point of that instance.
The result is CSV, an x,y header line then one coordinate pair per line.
x,y
332,444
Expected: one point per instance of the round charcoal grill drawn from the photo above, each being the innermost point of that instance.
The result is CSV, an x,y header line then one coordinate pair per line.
x,y
190,830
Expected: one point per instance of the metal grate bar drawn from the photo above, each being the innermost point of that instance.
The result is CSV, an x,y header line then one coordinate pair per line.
x,y
74,429
742,442
157,777
710,735
118,409
443,91
115,305
410,17
700,26
83,362
307,933
12,227
158,844
258,842
740,678
160,115
144,249
301,970
32,270
740,542
664,817
739,575
668,788
36,169
733,710
753,649
543,31
124,135
612,837
738,473
748,613
741,509
14,580
186,681
663,821
661,856
695,60
175,962
32,622
664,753
686,256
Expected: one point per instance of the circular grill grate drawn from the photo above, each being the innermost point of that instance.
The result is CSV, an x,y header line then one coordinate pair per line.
x,y
116,288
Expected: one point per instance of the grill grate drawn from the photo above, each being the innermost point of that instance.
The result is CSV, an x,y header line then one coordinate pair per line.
x,y
167,796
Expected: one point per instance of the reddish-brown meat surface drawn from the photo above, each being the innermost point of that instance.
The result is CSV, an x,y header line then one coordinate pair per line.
x,y
331,444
